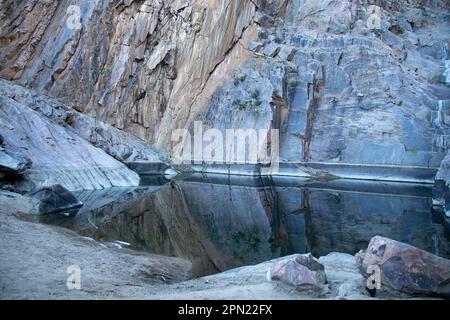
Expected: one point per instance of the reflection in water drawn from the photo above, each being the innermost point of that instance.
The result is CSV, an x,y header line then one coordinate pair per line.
x,y
220,222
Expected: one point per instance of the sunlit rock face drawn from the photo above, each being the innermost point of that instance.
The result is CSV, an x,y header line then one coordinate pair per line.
x,y
341,86
343,93
138,65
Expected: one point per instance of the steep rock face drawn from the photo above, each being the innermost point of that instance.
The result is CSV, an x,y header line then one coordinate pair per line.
x,y
343,93
343,81
135,64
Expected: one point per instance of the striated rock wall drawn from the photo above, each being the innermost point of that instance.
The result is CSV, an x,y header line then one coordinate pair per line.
x,y
135,64
342,87
341,92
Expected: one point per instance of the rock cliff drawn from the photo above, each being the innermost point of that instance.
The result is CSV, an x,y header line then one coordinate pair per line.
x,y
345,82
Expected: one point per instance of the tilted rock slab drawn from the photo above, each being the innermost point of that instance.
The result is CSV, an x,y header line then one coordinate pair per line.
x,y
59,156
119,144
12,164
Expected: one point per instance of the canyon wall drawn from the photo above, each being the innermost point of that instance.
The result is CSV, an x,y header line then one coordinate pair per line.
x,y
345,82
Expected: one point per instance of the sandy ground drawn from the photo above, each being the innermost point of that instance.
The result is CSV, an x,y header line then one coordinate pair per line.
x,y
34,259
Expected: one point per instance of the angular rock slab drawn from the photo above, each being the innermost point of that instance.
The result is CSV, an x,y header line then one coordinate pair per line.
x,y
303,271
406,268
13,164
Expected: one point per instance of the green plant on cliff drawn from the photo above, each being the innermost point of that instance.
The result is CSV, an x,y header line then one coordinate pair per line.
x,y
247,105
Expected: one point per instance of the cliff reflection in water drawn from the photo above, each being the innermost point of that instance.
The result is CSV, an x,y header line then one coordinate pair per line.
x,y
221,222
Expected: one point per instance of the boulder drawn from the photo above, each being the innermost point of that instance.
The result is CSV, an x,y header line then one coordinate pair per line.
x,y
406,268
304,271
56,199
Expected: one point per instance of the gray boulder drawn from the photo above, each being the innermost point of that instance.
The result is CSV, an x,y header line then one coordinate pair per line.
x,y
406,268
56,199
303,272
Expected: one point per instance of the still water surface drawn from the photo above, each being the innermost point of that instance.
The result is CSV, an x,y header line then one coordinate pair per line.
x,y
223,222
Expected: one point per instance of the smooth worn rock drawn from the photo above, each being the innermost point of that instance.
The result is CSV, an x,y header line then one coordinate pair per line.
x,y
121,145
406,268
58,154
301,272
13,203
13,164
56,199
